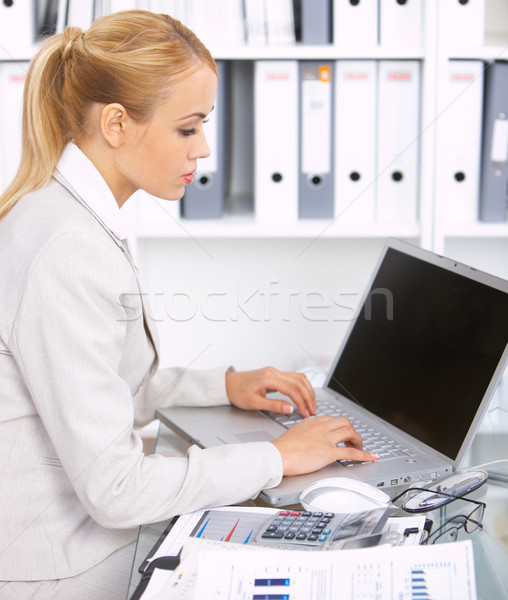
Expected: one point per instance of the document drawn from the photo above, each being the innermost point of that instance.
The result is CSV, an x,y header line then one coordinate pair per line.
x,y
440,572
241,525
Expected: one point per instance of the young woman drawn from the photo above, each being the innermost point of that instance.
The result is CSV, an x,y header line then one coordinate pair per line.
x,y
107,112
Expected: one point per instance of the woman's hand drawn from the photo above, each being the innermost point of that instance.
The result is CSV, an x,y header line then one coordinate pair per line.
x,y
248,390
312,444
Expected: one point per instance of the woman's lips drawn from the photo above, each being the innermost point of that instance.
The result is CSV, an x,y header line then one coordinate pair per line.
x,y
189,178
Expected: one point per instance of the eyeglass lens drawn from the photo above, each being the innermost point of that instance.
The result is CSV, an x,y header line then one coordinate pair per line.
x,y
470,523
474,519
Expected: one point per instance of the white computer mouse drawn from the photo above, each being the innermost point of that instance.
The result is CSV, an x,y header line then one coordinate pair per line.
x,y
342,495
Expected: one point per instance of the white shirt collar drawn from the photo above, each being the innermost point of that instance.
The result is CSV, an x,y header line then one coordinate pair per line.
x,y
84,177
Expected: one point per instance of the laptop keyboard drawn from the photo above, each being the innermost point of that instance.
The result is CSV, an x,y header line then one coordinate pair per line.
x,y
373,440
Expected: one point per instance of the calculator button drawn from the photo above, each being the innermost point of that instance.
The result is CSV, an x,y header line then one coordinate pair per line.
x,y
289,535
301,536
273,535
312,537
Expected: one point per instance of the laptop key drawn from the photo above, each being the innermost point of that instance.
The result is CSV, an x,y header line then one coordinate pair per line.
x,y
373,441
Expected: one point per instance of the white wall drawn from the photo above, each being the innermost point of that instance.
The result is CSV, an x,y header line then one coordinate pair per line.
x,y
254,302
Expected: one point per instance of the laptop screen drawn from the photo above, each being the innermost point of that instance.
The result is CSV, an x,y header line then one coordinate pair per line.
x,y
423,348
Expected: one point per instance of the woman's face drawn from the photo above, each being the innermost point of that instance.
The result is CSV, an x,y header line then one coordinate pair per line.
x,y
160,157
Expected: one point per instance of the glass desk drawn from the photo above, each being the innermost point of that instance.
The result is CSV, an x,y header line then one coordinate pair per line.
x,y
490,544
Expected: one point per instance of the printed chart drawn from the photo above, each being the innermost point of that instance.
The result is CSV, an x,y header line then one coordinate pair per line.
x,y
437,572
237,527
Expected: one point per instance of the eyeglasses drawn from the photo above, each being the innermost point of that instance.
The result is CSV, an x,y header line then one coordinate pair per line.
x,y
450,529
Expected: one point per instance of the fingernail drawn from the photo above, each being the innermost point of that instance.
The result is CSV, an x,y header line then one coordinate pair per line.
x,y
288,409
374,456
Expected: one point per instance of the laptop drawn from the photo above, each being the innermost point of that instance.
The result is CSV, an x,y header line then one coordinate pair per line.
x,y
416,368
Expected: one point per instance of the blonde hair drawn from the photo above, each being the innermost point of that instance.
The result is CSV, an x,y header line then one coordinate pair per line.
x,y
129,57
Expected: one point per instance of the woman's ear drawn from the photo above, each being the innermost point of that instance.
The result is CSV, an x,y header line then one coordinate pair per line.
x,y
114,124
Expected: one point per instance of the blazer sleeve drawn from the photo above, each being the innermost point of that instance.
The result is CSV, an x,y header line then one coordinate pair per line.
x,y
69,340
180,386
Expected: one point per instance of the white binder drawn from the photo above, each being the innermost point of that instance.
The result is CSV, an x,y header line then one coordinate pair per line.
x,y
233,24
17,29
214,26
459,131
280,25
204,20
400,23
152,216
12,81
276,141
80,13
117,5
316,173
462,23
355,23
398,140
255,22
355,140
178,9
61,20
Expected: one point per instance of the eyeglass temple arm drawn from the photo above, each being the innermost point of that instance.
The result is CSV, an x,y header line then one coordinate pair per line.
x,y
437,493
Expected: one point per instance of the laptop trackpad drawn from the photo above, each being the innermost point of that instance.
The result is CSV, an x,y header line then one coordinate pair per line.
x,y
255,435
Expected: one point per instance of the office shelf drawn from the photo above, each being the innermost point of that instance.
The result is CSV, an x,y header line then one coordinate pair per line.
x,y
433,54
248,227
317,52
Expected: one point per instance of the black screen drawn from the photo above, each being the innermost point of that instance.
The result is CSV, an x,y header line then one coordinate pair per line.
x,y
423,349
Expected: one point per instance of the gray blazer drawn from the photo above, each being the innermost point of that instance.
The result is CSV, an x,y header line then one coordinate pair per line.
x,y
78,373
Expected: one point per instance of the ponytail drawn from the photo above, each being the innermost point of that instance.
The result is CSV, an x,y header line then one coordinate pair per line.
x,y
130,57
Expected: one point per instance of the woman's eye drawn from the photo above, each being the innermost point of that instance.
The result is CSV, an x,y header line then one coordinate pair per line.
x,y
188,132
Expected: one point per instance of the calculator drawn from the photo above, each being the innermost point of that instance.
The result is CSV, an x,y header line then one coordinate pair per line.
x,y
307,530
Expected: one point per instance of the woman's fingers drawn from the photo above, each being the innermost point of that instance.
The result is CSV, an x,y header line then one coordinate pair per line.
x,y
317,442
